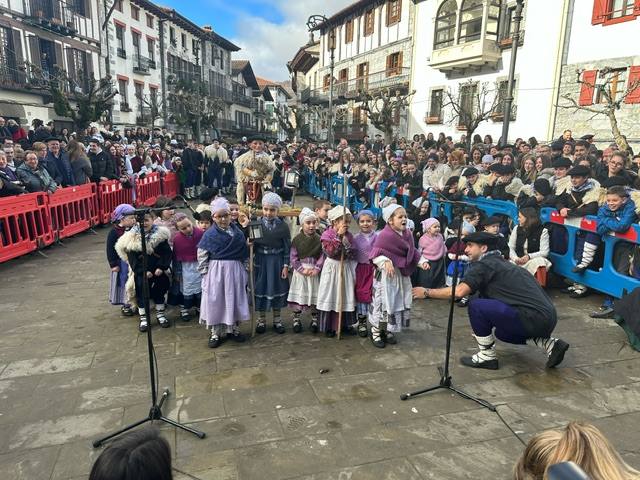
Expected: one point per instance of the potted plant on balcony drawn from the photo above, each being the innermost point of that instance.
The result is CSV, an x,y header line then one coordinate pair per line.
x,y
505,42
432,120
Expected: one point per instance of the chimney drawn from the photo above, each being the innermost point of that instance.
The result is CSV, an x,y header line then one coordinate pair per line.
x,y
207,28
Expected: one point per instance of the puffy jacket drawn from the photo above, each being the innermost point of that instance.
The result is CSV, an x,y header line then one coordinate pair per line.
x,y
102,166
616,221
63,166
37,180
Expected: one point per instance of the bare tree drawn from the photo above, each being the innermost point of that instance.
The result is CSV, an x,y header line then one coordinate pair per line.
x,y
608,99
152,109
291,119
383,107
82,99
190,105
472,104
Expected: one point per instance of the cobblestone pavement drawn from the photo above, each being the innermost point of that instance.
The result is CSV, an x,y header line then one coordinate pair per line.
x,y
72,369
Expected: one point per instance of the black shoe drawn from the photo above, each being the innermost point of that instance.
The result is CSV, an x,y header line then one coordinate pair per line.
x,y
362,328
297,326
557,353
330,333
278,327
569,289
580,293
143,325
314,326
127,311
578,269
388,337
215,341
261,327
185,316
162,320
487,364
236,336
604,312
464,302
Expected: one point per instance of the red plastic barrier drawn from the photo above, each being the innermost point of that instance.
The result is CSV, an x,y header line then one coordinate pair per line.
x,y
73,209
171,185
111,194
25,225
148,188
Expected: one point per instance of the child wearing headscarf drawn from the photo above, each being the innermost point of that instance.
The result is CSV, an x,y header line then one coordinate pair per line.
x,y
185,251
306,259
432,255
395,256
363,242
222,252
337,244
122,219
271,264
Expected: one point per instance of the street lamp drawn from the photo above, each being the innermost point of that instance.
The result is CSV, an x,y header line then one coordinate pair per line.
x,y
196,52
508,101
312,24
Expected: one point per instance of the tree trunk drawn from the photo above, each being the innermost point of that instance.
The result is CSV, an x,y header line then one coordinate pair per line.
x,y
617,136
388,134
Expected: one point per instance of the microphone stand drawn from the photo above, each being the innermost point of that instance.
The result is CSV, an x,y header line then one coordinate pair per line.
x,y
155,412
446,382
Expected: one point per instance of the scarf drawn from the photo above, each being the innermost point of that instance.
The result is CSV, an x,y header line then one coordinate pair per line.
x,y
490,253
307,246
432,247
224,246
403,254
364,243
588,185
334,246
185,247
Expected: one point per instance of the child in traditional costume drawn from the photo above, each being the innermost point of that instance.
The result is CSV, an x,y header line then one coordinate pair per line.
x,y
306,261
203,219
365,270
432,255
395,256
185,251
222,252
122,219
271,264
159,255
337,243
167,217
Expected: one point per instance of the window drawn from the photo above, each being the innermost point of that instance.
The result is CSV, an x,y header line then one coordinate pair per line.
x,y
326,82
614,84
118,5
394,64
467,103
362,74
136,42
122,90
435,106
507,28
359,116
80,7
213,55
183,40
348,31
172,36
607,12
149,21
151,50
445,25
222,59
122,52
135,13
139,88
394,9
369,22
343,75
194,46
620,8
470,21
503,91
493,20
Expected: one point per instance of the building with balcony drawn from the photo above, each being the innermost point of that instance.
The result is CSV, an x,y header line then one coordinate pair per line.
x,y
598,46
244,85
303,71
465,45
371,41
38,38
274,97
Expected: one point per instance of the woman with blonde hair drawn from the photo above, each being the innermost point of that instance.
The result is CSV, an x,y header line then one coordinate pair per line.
x,y
580,443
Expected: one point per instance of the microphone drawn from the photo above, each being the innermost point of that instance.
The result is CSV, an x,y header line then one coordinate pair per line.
x,y
566,471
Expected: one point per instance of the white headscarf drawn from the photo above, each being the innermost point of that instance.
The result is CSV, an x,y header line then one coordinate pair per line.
x,y
388,211
337,212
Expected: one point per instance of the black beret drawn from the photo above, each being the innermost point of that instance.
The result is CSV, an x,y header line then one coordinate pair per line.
x,y
557,145
589,136
561,162
257,138
468,172
579,171
208,194
482,238
492,220
542,186
52,139
508,170
496,168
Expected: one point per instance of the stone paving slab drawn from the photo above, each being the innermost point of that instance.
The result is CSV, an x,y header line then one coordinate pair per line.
x,y
73,369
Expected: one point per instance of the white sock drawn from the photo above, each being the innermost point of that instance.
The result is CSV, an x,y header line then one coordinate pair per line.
x,y
142,311
487,346
588,252
544,343
159,307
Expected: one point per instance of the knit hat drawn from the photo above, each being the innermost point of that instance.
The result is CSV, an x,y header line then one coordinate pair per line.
x,y
542,186
336,212
306,213
365,212
219,205
271,199
122,211
427,223
387,212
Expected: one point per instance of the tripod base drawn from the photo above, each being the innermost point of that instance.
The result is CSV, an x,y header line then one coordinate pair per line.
x,y
445,382
155,413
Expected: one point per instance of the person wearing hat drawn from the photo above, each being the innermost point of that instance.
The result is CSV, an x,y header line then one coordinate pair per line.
x,y
254,170
216,160
435,173
471,183
560,182
272,264
337,243
222,253
510,305
492,225
503,184
537,196
61,160
122,219
395,256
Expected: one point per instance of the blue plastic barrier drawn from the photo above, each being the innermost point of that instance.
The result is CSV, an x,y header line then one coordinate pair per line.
x,y
488,206
606,280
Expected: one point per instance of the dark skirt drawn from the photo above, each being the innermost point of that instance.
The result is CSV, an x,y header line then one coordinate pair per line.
x,y
432,278
117,291
271,289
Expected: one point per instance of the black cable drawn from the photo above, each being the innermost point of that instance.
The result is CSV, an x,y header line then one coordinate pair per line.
x,y
509,426
155,367
185,473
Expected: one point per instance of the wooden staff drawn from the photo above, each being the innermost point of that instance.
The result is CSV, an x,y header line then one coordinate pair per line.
x,y
344,219
253,291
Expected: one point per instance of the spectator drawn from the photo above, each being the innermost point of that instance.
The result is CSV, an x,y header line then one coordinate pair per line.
x,y
580,443
34,177
616,168
40,131
18,135
529,242
8,179
61,160
80,163
101,164
137,162
40,149
5,133
139,455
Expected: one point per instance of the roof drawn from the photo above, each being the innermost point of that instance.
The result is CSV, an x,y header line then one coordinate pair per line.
x,y
222,42
304,59
263,83
244,67
183,21
359,6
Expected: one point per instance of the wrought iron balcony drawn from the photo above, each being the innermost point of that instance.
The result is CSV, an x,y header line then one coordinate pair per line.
x,y
219,91
350,131
141,64
56,16
122,53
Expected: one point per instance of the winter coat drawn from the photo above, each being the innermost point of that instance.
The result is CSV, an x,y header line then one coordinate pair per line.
x,y
102,166
7,187
37,180
63,167
82,170
616,221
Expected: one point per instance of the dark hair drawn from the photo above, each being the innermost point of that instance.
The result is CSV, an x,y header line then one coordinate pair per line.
x,y
203,216
618,190
533,218
318,204
140,455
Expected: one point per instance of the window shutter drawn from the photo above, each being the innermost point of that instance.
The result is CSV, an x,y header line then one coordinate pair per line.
x,y
71,66
587,87
89,61
600,8
399,67
59,57
34,48
634,78
17,48
389,64
636,8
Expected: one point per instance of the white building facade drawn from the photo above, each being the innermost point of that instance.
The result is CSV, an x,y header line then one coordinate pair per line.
x,y
470,42
36,39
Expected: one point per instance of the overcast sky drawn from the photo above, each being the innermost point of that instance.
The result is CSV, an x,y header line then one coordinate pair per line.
x,y
268,31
